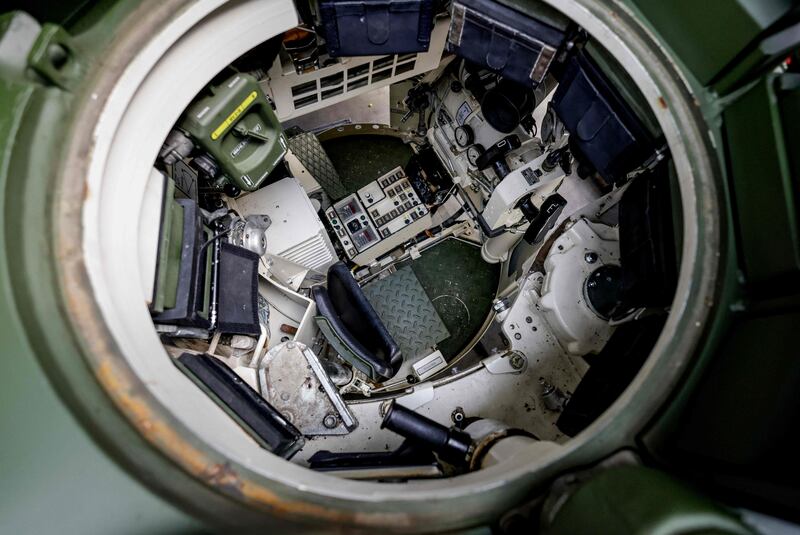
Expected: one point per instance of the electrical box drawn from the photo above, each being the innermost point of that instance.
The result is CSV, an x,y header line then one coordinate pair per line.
x,y
235,124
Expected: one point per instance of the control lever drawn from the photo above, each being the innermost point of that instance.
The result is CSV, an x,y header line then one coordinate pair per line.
x,y
417,101
559,157
495,156
243,131
546,218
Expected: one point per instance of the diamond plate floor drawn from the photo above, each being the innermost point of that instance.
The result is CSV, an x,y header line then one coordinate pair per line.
x,y
309,151
408,313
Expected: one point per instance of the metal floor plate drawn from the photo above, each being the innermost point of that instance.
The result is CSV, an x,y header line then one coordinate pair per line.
x,y
309,151
408,313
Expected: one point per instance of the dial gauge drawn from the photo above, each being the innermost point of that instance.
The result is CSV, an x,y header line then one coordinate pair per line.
x,y
464,136
473,153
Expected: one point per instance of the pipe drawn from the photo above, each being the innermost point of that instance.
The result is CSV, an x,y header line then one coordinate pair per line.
x,y
485,228
452,445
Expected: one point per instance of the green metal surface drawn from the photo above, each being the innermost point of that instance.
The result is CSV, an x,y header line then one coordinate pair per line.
x,y
748,359
53,476
234,122
639,501
708,36
169,252
765,189
344,350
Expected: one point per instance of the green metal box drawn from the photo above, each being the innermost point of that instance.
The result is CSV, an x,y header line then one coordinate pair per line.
x,y
234,122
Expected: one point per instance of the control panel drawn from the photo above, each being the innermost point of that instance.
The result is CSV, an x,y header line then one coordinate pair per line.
x,y
378,217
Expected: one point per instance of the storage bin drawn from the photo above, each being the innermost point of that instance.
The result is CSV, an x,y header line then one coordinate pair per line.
x,y
503,40
376,27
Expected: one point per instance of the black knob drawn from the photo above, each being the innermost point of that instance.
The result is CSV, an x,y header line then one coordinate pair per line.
x,y
231,190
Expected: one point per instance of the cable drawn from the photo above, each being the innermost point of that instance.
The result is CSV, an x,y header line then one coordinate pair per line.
x,y
214,238
282,312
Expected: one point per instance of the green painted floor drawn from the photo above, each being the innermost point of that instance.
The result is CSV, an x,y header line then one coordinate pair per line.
x,y
461,286
361,159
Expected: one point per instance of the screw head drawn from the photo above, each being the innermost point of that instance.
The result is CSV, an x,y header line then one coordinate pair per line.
x,y
517,362
591,257
330,421
458,415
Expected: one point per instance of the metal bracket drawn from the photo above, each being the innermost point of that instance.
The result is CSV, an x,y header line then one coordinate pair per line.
x,y
54,58
510,362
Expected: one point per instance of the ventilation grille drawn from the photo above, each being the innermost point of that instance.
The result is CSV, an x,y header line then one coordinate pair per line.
x,y
312,253
295,94
385,68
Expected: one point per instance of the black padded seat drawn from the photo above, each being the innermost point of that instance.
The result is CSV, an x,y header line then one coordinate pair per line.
x,y
353,327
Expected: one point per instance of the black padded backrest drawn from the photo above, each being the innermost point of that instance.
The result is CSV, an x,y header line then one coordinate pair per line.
x,y
350,318
356,312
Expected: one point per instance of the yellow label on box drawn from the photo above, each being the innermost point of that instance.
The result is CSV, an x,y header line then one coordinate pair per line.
x,y
234,115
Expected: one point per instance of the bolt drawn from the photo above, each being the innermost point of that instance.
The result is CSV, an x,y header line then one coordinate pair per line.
x,y
458,415
590,257
517,336
517,361
330,421
500,305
